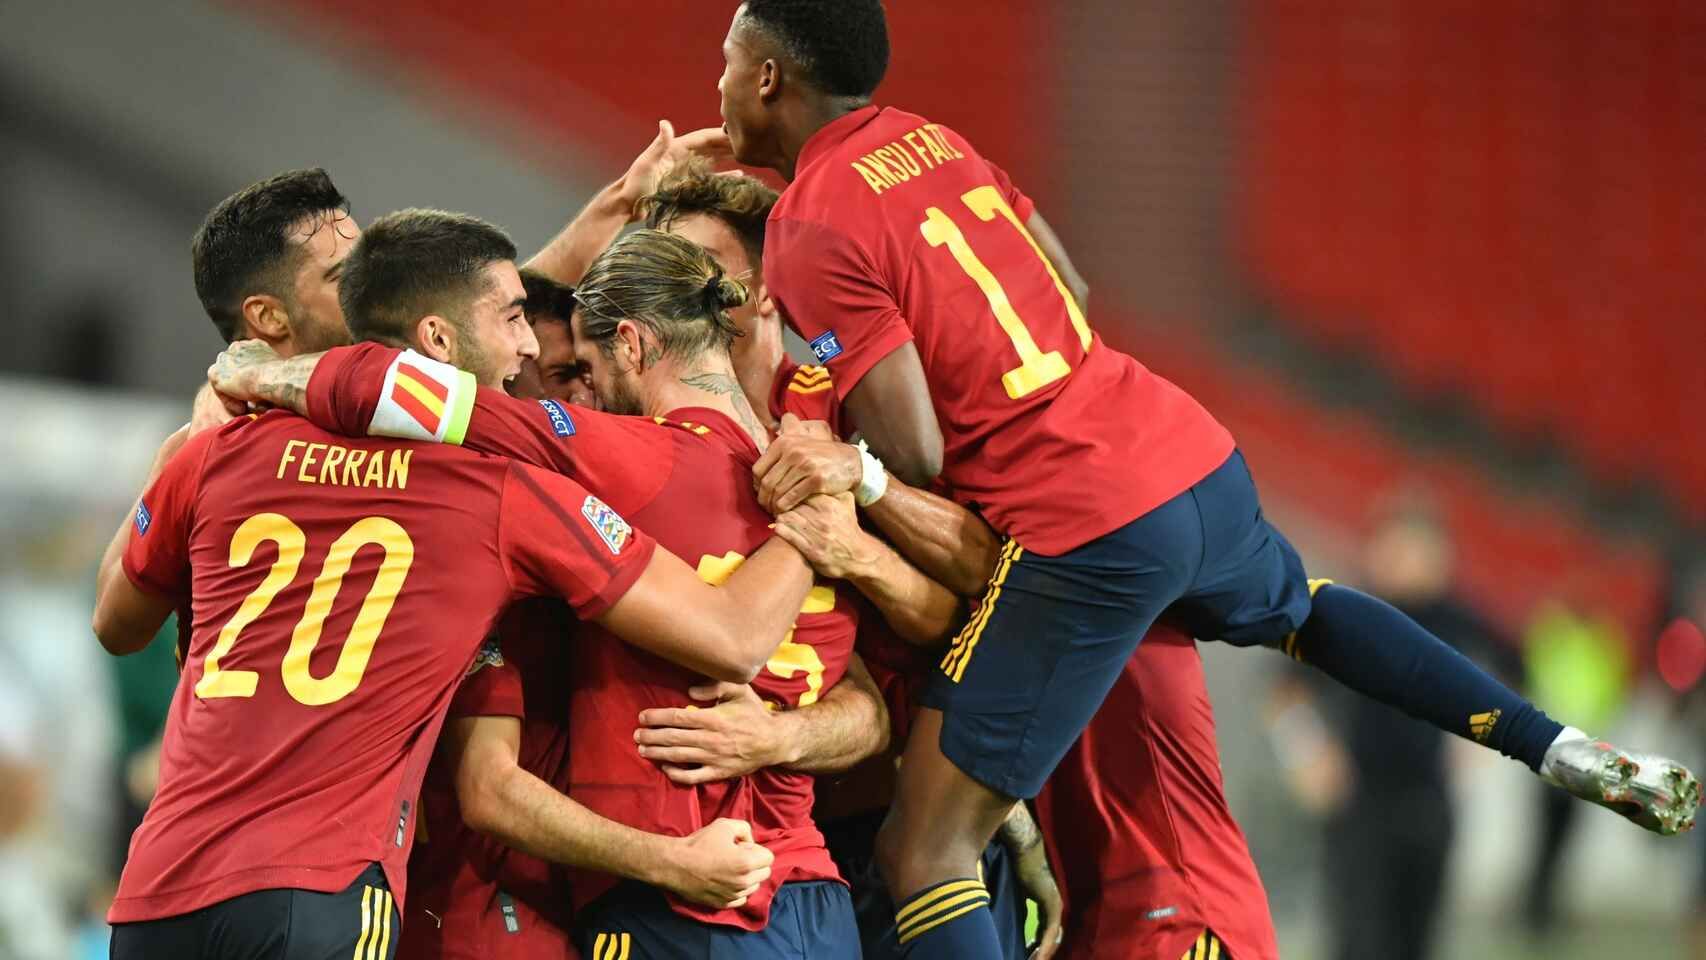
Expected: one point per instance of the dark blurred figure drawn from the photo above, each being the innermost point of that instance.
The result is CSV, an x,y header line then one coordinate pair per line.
x,y
1389,841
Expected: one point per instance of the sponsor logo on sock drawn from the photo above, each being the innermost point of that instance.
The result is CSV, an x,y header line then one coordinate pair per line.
x,y
1481,724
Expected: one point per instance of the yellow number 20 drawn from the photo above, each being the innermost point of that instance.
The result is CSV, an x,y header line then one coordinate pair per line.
x,y
790,658
1036,369
369,620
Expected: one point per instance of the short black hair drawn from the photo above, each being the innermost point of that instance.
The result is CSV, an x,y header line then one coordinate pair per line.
x,y
546,298
243,247
841,45
743,204
415,263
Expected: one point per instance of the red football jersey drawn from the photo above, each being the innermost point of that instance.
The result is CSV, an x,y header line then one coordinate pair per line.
x,y
896,230
807,392
308,705
691,477
471,897
1147,852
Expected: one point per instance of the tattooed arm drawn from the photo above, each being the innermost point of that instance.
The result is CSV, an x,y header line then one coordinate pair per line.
x,y
251,370
1019,834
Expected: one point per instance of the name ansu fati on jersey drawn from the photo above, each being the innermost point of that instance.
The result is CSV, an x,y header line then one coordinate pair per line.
x,y
893,165
345,467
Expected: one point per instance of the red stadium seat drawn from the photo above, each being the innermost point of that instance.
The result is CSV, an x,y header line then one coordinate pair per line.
x,y
1499,201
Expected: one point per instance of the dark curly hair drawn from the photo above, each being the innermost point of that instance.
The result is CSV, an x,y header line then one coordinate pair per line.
x,y
243,247
842,46
546,298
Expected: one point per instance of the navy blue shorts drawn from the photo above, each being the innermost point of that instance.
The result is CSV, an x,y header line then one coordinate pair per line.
x,y
1052,634
276,924
852,842
808,920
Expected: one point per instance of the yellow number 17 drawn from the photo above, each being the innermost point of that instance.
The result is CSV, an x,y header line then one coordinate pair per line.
x,y
1036,369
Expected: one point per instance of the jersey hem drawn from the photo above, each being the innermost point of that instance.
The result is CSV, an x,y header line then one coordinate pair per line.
x,y
160,906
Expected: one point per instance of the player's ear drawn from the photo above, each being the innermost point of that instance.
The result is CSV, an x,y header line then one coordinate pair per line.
x,y
764,305
265,316
631,344
769,81
436,337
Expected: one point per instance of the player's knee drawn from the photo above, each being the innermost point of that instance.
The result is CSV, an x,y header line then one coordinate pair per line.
x,y
911,860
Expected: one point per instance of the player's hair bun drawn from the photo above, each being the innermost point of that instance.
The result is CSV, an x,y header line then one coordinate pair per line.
x,y
724,292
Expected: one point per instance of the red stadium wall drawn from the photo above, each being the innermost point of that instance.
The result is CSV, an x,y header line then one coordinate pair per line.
x,y
1502,200
573,69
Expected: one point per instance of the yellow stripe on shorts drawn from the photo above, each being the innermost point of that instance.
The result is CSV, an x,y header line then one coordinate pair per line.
x,y
954,664
1207,947
947,902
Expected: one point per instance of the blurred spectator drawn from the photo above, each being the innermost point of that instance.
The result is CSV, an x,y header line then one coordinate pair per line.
x,y
55,747
1578,667
1390,829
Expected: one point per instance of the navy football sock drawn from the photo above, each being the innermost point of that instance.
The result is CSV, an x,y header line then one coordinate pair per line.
x,y
948,921
1372,648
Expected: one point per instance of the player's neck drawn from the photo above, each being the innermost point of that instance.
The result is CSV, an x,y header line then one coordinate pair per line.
x,y
810,116
709,384
755,366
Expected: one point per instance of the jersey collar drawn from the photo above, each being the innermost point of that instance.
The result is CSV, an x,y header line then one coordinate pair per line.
x,y
832,135
705,421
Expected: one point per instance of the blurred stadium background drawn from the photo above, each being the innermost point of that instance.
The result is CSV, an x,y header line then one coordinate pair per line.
x,y
1426,258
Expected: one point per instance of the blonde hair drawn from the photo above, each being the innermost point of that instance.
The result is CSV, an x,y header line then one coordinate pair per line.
x,y
669,286
743,204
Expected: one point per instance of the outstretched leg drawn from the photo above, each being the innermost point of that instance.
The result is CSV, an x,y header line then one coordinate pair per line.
x,y
1374,649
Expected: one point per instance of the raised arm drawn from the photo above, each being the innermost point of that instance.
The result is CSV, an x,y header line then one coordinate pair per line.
x,y
739,734
570,252
717,866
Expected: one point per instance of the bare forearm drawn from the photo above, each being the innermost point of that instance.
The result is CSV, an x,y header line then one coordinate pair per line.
x,y
1019,832
281,382
949,543
1052,247
762,599
920,610
849,724
570,252
528,815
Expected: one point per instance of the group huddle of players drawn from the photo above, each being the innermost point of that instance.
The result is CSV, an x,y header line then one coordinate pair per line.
x,y
638,656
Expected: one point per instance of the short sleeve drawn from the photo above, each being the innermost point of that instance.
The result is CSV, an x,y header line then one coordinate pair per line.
x,y
492,687
559,540
157,558
833,294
